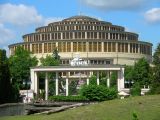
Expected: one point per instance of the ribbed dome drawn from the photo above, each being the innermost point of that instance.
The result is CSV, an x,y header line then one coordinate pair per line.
x,y
81,18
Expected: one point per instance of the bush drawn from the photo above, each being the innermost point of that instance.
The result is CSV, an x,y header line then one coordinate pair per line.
x,y
135,117
68,98
135,90
98,93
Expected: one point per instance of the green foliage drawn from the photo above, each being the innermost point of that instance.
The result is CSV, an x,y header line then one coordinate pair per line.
x,y
103,81
135,90
93,80
49,61
156,56
68,98
73,87
55,55
141,72
5,85
98,93
51,87
20,64
113,79
155,85
129,73
102,78
135,117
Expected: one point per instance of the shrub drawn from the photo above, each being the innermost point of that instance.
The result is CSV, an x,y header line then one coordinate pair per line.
x,y
135,117
135,90
98,93
68,98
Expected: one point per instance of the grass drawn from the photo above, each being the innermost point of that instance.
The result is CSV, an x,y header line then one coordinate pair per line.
x,y
146,107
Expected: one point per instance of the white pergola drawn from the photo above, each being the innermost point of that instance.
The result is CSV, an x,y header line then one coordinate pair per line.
x,y
88,69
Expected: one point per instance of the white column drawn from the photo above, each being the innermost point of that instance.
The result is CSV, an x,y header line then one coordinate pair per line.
x,y
66,83
108,79
138,48
129,47
120,80
46,86
87,78
85,35
109,36
56,83
102,46
97,77
32,79
42,47
36,85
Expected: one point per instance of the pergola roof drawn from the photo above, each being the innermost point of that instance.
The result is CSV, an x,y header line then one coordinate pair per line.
x,y
78,68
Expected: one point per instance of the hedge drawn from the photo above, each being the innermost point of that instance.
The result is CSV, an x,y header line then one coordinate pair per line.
x,y
68,98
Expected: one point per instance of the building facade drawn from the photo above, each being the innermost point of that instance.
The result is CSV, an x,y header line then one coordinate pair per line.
x,y
98,42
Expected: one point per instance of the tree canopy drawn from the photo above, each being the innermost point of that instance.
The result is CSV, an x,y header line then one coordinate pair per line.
x,y
155,88
50,60
20,64
141,72
5,83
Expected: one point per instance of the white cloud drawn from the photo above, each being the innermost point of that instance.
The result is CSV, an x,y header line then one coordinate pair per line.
x,y
20,15
153,15
6,36
50,20
114,4
16,19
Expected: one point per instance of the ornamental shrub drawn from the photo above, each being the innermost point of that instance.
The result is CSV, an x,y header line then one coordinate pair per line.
x,y
135,90
98,93
68,98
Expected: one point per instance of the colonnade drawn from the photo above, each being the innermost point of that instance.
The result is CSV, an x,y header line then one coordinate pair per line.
x,y
35,81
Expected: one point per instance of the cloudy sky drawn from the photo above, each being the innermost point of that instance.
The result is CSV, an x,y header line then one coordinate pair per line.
x,y
19,17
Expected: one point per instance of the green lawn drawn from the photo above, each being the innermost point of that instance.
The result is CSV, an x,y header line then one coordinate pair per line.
x,y
146,107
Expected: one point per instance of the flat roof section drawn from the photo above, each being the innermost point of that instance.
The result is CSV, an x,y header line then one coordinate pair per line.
x,y
77,68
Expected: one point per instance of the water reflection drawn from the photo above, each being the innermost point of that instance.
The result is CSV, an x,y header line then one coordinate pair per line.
x,y
12,109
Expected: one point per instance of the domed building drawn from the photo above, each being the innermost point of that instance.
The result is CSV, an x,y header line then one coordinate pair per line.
x,y
98,42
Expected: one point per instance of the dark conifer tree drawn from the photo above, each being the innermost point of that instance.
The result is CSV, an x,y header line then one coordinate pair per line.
x,y
5,83
155,88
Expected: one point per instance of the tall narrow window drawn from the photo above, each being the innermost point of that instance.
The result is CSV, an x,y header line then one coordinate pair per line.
x,y
99,47
74,46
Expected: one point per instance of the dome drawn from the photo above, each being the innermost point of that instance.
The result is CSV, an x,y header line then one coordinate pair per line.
x,y
80,18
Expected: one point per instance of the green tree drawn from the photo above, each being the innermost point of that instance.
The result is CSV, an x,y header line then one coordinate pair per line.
x,y
135,90
129,75
50,60
141,72
102,78
155,85
73,87
93,80
113,79
5,84
55,55
20,64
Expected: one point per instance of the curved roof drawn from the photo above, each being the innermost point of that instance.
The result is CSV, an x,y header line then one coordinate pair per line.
x,y
81,17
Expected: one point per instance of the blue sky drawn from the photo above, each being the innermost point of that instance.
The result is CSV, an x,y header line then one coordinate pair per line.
x,y
19,17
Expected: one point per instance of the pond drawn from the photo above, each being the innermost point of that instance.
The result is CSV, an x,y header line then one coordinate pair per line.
x,y
11,109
